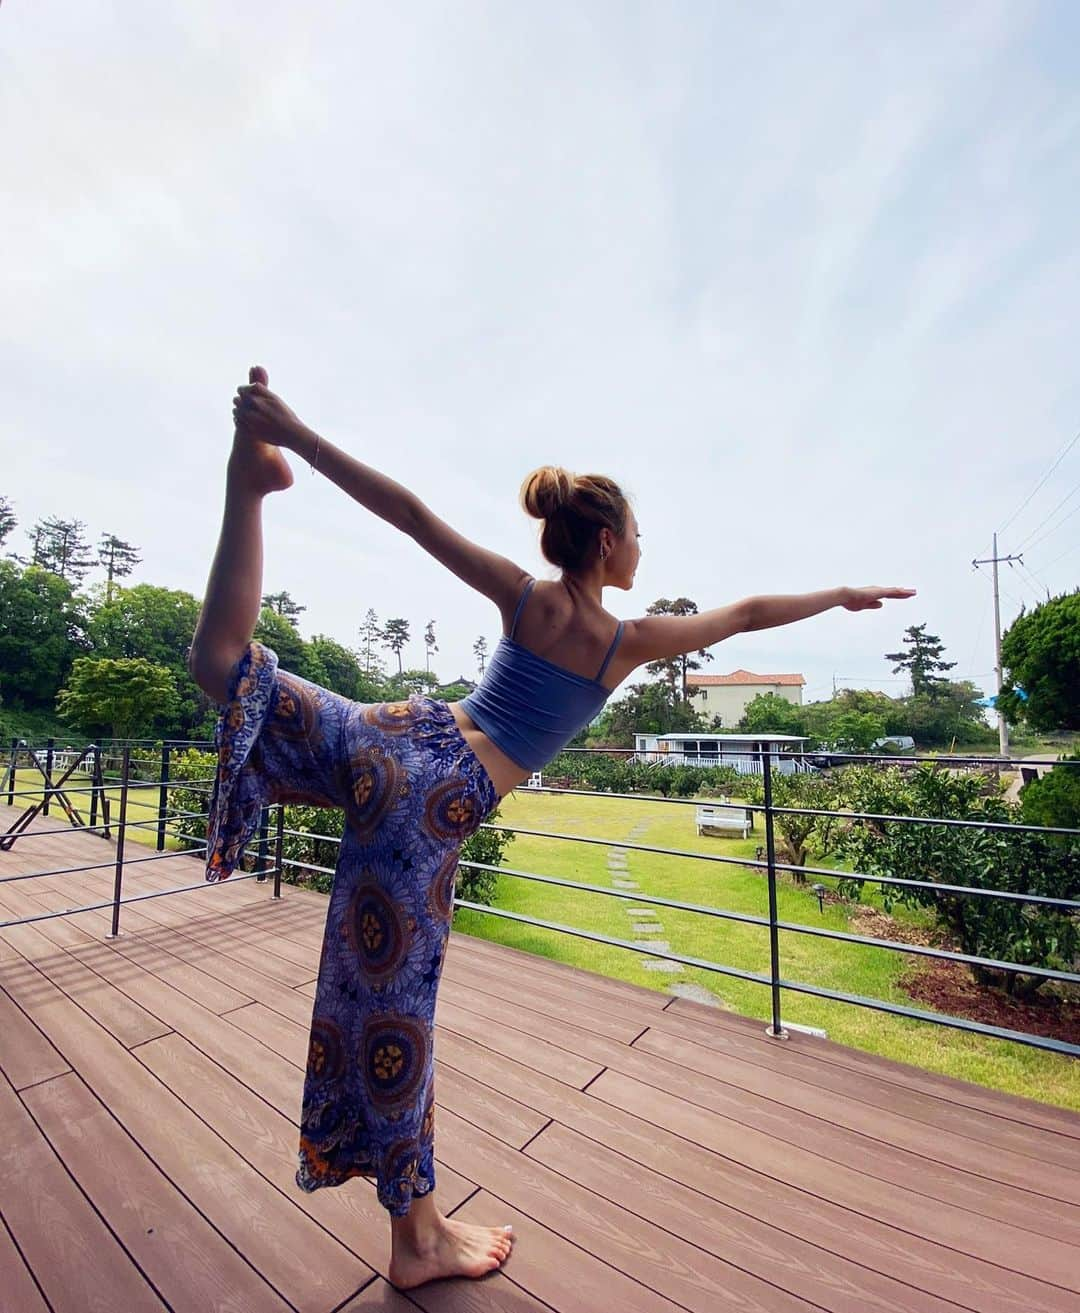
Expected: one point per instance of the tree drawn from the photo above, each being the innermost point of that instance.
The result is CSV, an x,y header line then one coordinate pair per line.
x,y
41,632
394,636
480,651
126,696
1054,798
280,634
1009,861
60,546
343,673
675,669
429,643
771,712
648,708
370,637
1040,654
7,520
922,660
283,604
156,624
117,558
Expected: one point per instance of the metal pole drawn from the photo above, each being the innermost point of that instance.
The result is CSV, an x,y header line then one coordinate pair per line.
x,y
163,797
279,848
1003,728
50,744
118,882
11,772
776,1029
92,750
264,826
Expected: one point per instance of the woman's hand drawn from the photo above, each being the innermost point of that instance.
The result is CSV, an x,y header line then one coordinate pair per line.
x,y
869,598
260,414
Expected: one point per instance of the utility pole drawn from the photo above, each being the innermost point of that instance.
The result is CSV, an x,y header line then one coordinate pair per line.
x,y
1003,728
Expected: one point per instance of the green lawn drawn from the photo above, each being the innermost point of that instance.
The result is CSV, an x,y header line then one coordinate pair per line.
x,y
807,959
853,969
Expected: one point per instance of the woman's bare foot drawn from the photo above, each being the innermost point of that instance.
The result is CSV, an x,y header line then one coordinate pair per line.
x,y
261,466
452,1249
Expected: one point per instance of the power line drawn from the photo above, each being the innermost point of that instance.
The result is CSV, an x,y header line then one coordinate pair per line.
x,y
1067,497
1034,490
1056,527
1068,552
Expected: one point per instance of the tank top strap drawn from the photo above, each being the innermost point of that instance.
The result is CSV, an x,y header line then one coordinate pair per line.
x,y
521,602
611,651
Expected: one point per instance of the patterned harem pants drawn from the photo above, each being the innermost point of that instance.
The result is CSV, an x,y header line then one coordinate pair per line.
x,y
412,790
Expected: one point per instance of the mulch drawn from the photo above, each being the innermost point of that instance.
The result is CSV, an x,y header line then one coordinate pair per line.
x,y
951,987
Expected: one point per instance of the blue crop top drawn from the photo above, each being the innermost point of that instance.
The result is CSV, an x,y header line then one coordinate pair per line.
x,y
530,707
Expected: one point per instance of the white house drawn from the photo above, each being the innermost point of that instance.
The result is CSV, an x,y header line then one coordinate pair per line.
x,y
743,751
728,696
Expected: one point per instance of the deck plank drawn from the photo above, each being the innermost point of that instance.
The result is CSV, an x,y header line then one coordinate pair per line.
x,y
652,1153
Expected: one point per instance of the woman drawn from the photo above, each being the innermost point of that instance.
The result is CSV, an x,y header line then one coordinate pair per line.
x,y
416,778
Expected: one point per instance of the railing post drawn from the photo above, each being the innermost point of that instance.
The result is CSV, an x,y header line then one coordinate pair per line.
x,y
163,796
776,1029
279,849
122,831
93,751
264,826
11,772
49,745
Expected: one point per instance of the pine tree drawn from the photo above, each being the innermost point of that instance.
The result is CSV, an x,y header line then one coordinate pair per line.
x,y
370,636
429,643
921,661
283,604
61,547
117,558
395,636
7,519
480,651
673,670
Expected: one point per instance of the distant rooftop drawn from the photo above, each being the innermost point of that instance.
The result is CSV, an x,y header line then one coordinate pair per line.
x,y
743,677
765,737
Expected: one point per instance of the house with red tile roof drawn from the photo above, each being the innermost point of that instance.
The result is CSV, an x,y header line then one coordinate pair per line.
x,y
727,696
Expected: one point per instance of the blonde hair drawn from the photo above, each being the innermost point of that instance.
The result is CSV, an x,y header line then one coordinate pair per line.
x,y
574,508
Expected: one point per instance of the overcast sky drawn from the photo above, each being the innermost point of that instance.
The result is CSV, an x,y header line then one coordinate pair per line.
x,y
804,278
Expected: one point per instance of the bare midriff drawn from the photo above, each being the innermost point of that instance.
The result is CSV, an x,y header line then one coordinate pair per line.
x,y
505,773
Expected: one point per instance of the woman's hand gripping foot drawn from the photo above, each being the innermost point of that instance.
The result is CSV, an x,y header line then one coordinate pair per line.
x,y
256,458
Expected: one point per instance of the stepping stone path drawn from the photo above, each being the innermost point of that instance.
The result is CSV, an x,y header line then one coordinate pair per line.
x,y
646,927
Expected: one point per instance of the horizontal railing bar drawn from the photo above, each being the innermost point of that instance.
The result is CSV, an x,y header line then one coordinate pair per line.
x,y
106,825
794,811
794,926
137,898
936,1018
1042,900
910,820
704,965
95,866
915,1014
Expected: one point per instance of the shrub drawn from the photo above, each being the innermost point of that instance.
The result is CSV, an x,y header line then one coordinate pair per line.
x,y
1013,862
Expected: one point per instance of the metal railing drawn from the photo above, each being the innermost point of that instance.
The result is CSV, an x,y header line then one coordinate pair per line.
x,y
766,861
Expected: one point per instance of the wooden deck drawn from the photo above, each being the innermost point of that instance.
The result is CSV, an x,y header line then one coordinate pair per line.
x,y
653,1154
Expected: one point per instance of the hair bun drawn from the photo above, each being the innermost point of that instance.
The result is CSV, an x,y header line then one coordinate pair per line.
x,y
546,491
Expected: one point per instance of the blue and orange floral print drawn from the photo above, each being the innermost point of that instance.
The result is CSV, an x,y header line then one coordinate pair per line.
x,y
412,790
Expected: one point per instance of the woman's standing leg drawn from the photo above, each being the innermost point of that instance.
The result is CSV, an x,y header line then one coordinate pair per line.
x,y
233,596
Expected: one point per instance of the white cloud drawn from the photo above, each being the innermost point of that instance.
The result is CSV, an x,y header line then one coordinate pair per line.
x,y
805,283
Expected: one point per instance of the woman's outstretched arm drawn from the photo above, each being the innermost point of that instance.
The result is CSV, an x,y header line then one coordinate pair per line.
x,y
657,637
265,416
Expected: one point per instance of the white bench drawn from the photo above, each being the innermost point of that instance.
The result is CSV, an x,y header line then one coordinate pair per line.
x,y
722,817
536,780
